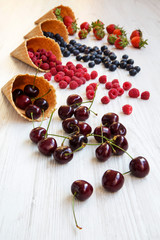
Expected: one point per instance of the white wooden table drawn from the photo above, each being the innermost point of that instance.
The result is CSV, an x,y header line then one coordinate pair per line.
x,y
35,197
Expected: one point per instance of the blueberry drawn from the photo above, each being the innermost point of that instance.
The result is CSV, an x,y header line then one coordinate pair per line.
x,y
94,53
125,56
116,62
63,44
92,57
66,53
81,49
112,67
104,48
104,59
97,60
72,41
138,69
62,49
106,52
106,64
95,48
99,52
87,50
129,66
91,64
130,61
123,64
86,58
78,57
84,46
75,52
112,56
132,72
57,36
99,56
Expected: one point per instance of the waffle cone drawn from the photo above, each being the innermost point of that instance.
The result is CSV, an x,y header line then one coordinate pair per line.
x,y
48,15
49,25
19,81
21,52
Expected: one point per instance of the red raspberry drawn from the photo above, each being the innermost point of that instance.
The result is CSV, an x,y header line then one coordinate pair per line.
x,y
79,66
44,58
80,70
37,62
73,84
94,85
31,54
69,63
34,59
90,94
103,79
59,68
37,54
30,50
52,64
58,77
45,66
113,93
79,81
58,62
69,73
87,76
94,74
42,51
49,53
83,79
145,95
72,68
127,109
120,91
134,93
52,58
127,86
61,73
63,84
48,76
84,69
89,87
115,85
67,79
78,74
115,81
105,100
108,85
74,78
53,71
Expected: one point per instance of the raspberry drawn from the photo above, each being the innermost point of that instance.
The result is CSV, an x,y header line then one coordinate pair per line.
x,y
72,68
80,70
49,53
145,95
127,109
83,79
31,54
105,100
120,91
79,81
73,84
69,64
42,51
94,74
52,58
79,66
63,84
30,50
52,64
67,79
90,94
87,76
59,68
113,93
58,77
34,59
53,71
103,79
134,93
44,58
45,66
74,78
127,86
78,74
37,62
37,54
69,73
89,87
94,85
61,73
115,81
58,62
84,69
108,85
115,85
48,76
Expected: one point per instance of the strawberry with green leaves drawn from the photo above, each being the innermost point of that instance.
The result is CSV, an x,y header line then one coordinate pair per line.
x,y
138,42
121,42
67,20
72,29
110,28
136,33
96,24
86,25
99,33
111,39
119,32
82,33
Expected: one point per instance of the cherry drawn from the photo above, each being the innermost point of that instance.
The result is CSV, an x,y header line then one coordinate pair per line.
x,y
103,152
122,144
32,111
17,92
82,113
117,128
81,189
112,180
109,118
22,101
76,141
65,112
47,146
73,99
41,103
70,125
37,134
102,131
139,167
84,128
63,154
31,90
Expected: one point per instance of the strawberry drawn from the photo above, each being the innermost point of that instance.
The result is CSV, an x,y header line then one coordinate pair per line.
x,y
98,23
138,42
86,25
121,42
111,39
136,33
82,33
72,29
67,20
110,28
99,33
119,32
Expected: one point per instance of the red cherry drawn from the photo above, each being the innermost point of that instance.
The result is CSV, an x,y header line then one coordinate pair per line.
x,y
47,146
81,189
139,167
112,180
22,101
37,134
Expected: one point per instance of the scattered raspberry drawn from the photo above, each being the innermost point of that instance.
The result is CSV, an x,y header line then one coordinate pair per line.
x,y
52,64
63,84
69,73
58,77
74,78
67,79
79,81
113,93
120,91
105,100
134,93
90,94
52,58
48,76
69,64
73,84
79,66
78,74
80,70
115,81
61,73
127,109
45,66
58,62
145,95
103,79
94,74
127,86
59,68
108,85
87,76
84,69
83,79
89,87
72,68
115,85
53,71
94,85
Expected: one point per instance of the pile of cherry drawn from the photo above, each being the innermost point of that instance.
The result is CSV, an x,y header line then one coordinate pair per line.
x,y
110,140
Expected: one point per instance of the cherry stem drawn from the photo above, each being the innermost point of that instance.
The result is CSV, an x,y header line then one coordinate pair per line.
x,y
92,112
49,122
93,97
42,118
76,150
36,73
102,133
32,119
126,172
74,215
56,135
41,96
63,142
80,103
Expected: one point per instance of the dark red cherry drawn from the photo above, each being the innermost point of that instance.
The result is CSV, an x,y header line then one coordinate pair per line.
x,y
17,92
82,113
84,128
81,189
76,141
103,152
37,134
65,111
47,146
41,103
70,125
121,142
73,99
102,131
117,128
112,180
32,111
139,167
22,101
109,118
31,91
63,154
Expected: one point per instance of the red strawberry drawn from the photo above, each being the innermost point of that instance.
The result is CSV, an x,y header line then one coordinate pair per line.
x,y
136,33
99,33
86,26
72,29
110,28
119,32
138,42
111,39
67,20
98,23
82,33
121,42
